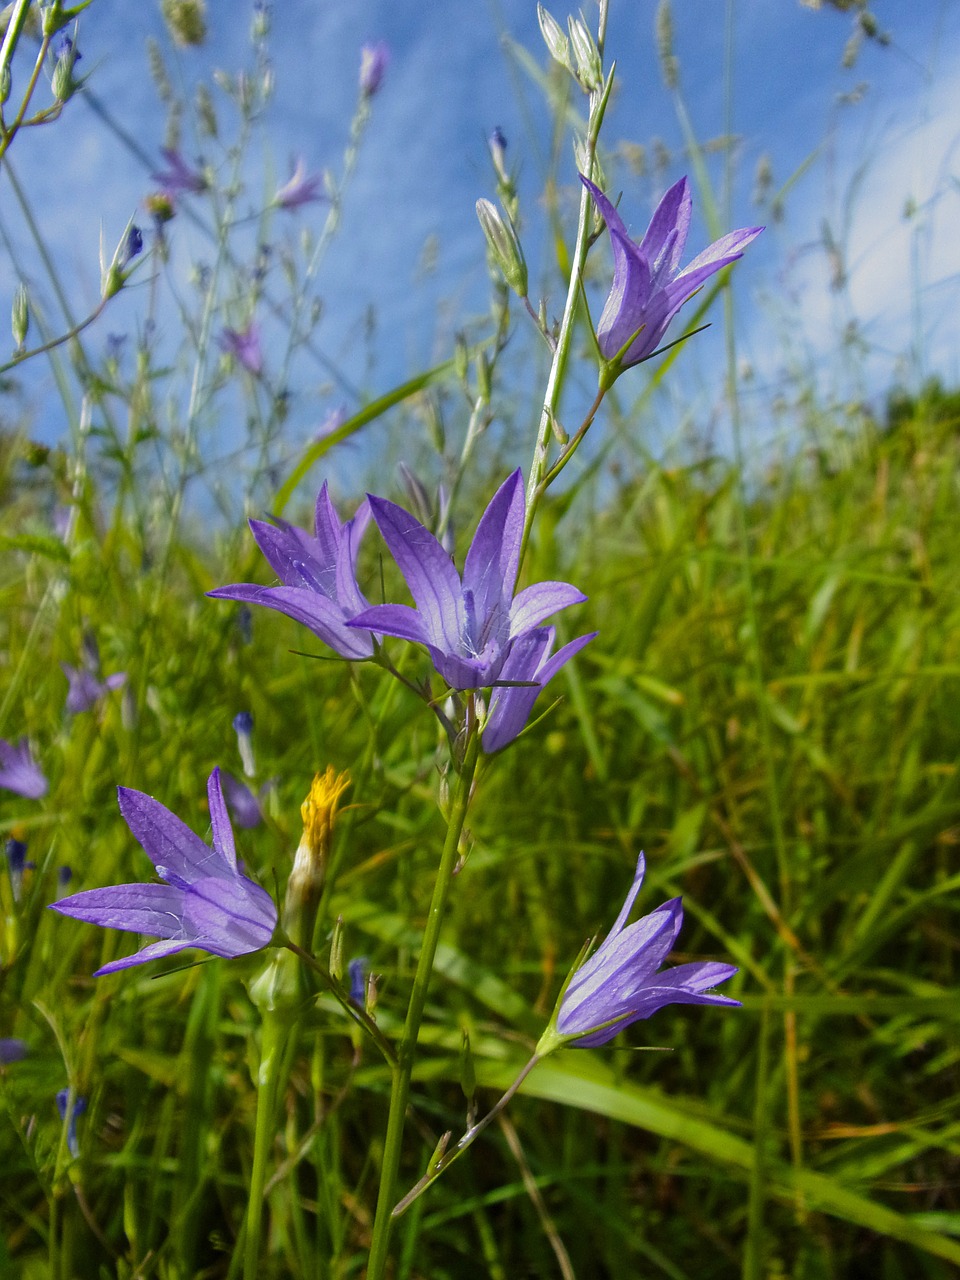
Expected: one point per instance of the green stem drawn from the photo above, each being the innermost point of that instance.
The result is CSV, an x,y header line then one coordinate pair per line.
x,y
271,1057
551,399
406,1052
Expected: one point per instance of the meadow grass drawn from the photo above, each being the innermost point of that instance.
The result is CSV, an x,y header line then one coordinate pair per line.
x,y
808,1134
769,712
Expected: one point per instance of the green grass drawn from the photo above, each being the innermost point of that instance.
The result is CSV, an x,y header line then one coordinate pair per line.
x,y
814,1133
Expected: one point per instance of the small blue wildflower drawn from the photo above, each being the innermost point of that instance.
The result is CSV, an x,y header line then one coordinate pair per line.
x,y
205,900
357,971
132,246
85,689
300,188
319,576
244,346
78,1108
12,1050
16,851
619,984
468,626
19,771
64,876
374,60
245,807
243,725
178,178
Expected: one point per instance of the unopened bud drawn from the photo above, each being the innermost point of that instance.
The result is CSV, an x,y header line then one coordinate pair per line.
x,y
589,66
5,83
372,994
336,951
63,84
20,315
504,245
554,39
460,357
305,885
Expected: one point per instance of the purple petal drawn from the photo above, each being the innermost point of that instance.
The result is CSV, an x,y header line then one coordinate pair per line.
x,y
723,251
328,527
229,918
295,557
428,570
537,602
152,951
393,620
154,909
168,842
490,571
324,618
220,820
672,214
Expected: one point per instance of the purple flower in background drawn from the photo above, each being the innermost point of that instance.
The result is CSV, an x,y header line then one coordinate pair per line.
x,y
78,1108
243,727
529,660
12,1050
244,806
620,984
300,188
468,627
357,972
244,346
19,772
205,900
64,876
374,60
85,690
16,851
648,286
319,576
178,177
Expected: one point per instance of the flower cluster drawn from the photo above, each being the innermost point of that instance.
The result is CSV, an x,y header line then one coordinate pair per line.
x,y
479,634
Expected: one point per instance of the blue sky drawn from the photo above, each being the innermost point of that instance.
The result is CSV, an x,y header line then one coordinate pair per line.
x,y
425,163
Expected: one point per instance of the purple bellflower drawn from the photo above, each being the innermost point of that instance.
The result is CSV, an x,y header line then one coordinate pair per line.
x,y
205,901
619,984
246,809
178,177
19,771
648,286
85,690
300,189
12,1050
468,627
374,60
244,346
319,576
529,660
78,1108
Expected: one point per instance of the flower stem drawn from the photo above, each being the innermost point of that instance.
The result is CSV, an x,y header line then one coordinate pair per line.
x,y
406,1051
271,1055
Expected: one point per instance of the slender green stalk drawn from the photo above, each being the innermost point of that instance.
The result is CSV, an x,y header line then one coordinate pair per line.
x,y
406,1052
555,378
273,1036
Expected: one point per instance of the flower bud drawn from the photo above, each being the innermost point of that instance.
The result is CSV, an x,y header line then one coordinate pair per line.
x,y
63,84
336,951
554,39
5,82
20,315
504,244
589,67
305,885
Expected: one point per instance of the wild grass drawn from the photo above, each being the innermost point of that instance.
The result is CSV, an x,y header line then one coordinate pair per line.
x,y
770,712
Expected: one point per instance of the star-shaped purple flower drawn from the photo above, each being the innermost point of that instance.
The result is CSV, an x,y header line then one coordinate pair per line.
x,y
300,189
205,901
244,346
648,286
19,771
529,660
178,177
468,627
620,984
85,689
319,576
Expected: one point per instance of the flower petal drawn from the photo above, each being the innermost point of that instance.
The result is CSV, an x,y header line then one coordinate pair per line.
x,y
429,572
672,215
153,951
223,841
324,618
167,841
490,570
393,620
539,601
154,909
